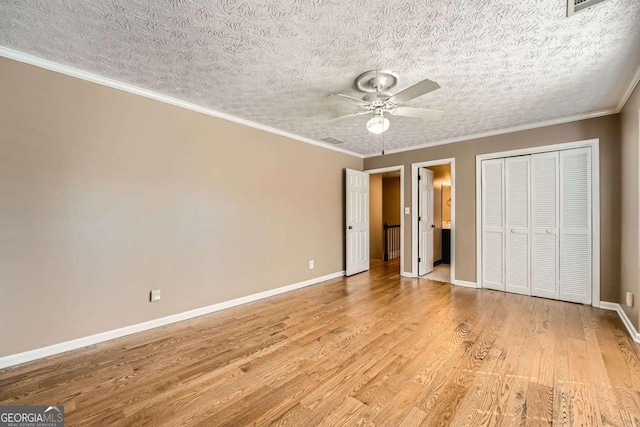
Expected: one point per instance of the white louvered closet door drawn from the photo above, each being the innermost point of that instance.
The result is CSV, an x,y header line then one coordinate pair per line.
x,y
493,224
545,219
575,225
517,225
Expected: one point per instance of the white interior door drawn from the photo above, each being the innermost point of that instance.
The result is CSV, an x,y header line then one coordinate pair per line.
x,y
357,221
517,220
425,221
545,218
575,225
493,224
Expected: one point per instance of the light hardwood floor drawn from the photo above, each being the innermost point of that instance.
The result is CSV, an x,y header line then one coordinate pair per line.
x,y
373,349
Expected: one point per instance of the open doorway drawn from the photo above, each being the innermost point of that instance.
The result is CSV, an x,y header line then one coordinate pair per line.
x,y
386,222
433,220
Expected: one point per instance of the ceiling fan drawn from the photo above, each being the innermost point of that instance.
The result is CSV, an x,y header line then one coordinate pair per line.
x,y
378,101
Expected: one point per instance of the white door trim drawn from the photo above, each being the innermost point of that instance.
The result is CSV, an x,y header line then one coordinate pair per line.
x,y
426,213
414,216
595,194
393,169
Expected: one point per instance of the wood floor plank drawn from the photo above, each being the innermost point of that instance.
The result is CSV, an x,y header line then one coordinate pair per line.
x,y
296,416
562,408
487,400
542,363
441,407
629,401
607,399
414,418
513,410
375,349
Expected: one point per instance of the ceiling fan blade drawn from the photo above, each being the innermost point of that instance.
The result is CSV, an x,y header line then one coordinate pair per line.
x,y
414,91
354,100
359,113
418,113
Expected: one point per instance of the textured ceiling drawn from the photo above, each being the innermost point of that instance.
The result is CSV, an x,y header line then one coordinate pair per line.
x,y
500,63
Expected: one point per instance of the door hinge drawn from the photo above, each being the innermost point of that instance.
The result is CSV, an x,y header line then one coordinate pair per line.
x,y
419,177
419,259
419,218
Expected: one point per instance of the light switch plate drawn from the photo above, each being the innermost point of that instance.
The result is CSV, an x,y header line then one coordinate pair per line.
x,y
407,211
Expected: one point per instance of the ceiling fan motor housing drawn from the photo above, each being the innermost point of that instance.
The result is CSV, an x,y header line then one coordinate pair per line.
x,y
377,97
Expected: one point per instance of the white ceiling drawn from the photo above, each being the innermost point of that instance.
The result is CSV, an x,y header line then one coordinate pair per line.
x,y
501,63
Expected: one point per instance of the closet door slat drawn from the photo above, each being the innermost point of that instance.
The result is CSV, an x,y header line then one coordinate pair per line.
x,y
493,276
545,207
575,225
517,220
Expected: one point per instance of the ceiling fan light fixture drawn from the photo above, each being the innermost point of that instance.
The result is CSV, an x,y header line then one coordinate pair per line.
x,y
378,101
377,124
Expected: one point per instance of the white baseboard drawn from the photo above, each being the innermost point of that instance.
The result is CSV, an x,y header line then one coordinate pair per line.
x,y
464,283
609,305
27,356
623,316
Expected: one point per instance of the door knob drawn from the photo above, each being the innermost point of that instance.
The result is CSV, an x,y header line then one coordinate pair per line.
x,y
433,226
513,230
350,227
549,231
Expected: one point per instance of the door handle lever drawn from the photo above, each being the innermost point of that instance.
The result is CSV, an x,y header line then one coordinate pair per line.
x,y
350,227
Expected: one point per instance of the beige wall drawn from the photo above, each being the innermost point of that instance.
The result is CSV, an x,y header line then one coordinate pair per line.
x,y
106,195
391,200
441,173
629,263
376,246
446,203
605,128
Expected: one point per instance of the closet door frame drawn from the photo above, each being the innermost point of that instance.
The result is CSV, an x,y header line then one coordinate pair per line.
x,y
595,204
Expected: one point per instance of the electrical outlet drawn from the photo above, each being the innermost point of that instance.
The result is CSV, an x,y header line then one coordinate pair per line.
x,y
155,295
629,299
311,265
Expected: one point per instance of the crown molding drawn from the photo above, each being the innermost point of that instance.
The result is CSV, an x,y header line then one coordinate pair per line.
x,y
625,97
114,84
629,91
500,132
